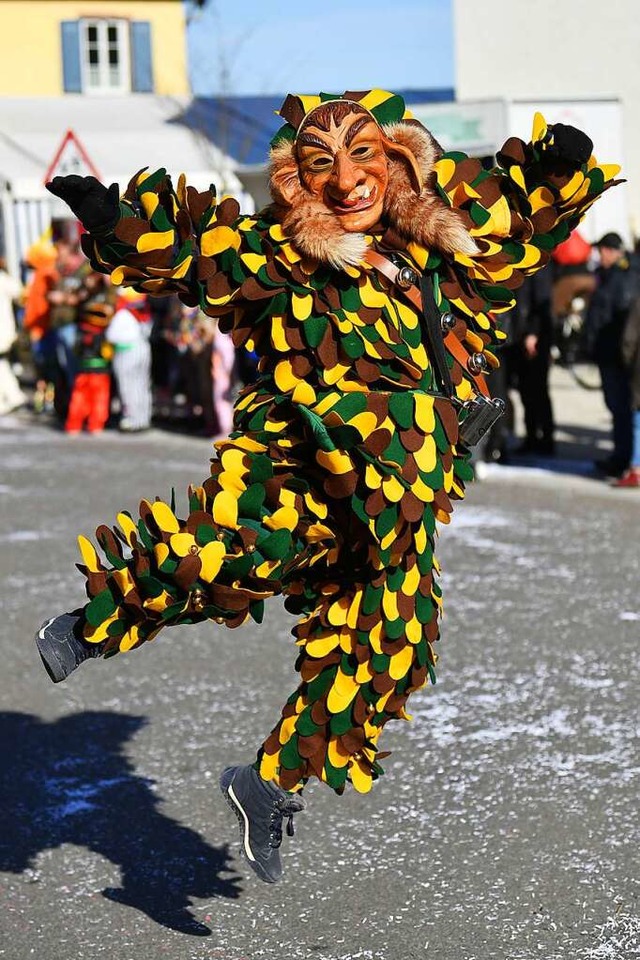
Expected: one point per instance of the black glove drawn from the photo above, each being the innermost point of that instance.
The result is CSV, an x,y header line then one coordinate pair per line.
x,y
569,144
96,206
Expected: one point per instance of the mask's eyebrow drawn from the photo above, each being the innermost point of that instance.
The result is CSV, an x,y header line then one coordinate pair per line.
x,y
310,140
355,128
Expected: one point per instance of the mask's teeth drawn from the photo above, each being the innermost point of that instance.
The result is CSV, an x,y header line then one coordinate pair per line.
x,y
366,193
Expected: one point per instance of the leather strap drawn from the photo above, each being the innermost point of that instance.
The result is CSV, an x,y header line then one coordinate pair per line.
x,y
451,342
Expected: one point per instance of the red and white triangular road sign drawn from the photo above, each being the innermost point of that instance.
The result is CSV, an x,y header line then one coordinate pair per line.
x,y
70,157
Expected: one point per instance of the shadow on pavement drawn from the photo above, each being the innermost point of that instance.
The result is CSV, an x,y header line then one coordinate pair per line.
x,y
576,452
69,782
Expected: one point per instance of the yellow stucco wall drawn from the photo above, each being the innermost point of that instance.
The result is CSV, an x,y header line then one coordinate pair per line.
x,y
31,51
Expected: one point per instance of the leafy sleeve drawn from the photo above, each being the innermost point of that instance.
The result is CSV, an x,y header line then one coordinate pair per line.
x,y
517,213
184,241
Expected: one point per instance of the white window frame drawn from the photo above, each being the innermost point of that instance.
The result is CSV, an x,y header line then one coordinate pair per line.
x,y
102,24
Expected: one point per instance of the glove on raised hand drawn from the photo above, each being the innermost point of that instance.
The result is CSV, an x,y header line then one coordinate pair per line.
x,y
97,207
569,144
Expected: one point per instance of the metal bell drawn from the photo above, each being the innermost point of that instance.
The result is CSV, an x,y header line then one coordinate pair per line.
x,y
448,322
477,363
406,278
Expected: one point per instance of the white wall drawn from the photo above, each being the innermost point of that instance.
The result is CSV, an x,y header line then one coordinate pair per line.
x,y
556,49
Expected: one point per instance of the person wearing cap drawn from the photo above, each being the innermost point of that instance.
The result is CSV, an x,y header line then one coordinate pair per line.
x,y
370,289
604,327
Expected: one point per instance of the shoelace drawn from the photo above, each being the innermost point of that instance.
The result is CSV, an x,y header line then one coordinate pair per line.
x,y
282,809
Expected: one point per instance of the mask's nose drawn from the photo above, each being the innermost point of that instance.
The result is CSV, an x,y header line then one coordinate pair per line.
x,y
346,174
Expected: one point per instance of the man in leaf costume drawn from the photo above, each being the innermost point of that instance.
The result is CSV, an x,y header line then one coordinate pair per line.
x,y
345,452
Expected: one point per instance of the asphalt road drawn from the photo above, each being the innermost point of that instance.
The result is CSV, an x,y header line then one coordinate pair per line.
x,y
507,823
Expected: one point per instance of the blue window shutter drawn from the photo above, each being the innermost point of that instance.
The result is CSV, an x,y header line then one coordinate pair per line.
x,y
71,72
141,68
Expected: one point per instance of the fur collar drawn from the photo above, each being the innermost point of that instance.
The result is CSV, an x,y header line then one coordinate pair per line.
x,y
414,209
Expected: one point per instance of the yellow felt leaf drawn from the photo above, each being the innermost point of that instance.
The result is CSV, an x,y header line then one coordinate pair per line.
x,y
287,729
212,557
342,692
155,241
421,539
414,630
315,506
181,543
375,637
100,633
338,756
218,239
401,662
320,646
392,489
372,478
539,128
334,461
278,334
164,517
303,393
301,306
89,554
225,510
130,639
127,526
161,551
284,376
337,612
425,417
426,456
361,780
365,672
254,261
269,764
285,518
390,605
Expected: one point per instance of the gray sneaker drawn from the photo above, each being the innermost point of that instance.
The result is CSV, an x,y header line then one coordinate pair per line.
x,y
62,648
260,808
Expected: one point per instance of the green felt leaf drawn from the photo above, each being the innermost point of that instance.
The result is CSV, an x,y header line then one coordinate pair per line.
x,y
205,534
261,469
251,501
256,610
372,599
386,521
100,608
319,686
341,722
276,545
380,662
401,409
390,111
336,776
478,214
304,724
352,345
394,629
314,328
289,756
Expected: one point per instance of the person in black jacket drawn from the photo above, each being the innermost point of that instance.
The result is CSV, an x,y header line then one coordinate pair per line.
x,y
532,328
604,326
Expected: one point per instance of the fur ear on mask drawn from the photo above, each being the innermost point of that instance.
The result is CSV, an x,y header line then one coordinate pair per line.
x,y
425,217
315,231
284,175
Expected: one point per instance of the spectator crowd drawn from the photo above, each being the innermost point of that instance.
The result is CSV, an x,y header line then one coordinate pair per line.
x,y
92,355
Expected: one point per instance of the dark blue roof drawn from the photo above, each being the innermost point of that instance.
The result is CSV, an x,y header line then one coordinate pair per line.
x,y
243,126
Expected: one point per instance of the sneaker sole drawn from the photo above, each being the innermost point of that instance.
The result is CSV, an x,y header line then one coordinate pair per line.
x,y
226,786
